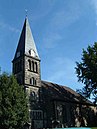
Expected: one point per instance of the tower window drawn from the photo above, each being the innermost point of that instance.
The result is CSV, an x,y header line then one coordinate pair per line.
x,y
36,70
32,66
30,52
33,81
18,66
29,64
33,95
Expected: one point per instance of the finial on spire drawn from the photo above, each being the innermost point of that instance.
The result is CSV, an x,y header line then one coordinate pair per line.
x,y
26,11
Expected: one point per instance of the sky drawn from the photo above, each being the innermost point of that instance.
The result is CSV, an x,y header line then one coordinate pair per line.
x,y
61,29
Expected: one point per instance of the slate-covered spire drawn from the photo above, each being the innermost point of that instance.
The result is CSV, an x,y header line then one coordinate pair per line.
x,y
26,43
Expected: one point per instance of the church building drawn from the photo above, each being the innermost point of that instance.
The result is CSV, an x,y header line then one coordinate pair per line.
x,y
50,105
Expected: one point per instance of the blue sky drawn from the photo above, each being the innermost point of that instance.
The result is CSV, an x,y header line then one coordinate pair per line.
x,y
61,29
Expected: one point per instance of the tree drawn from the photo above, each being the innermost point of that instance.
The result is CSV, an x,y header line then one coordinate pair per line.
x,y
13,103
87,72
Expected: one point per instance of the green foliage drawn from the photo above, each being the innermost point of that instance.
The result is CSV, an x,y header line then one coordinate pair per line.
x,y
87,72
13,103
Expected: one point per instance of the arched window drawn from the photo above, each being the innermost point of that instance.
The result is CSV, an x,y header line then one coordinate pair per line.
x,y
35,82
30,52
29,64
32,81
36,67
33,94
32,65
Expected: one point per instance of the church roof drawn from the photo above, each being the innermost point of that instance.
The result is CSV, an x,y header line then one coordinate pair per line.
x,y
63,94
26,41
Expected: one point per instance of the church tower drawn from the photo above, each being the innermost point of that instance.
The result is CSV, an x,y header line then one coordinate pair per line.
x,y
26,68
26,63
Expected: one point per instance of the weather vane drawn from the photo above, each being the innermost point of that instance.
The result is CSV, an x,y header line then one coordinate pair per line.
x,y
26,11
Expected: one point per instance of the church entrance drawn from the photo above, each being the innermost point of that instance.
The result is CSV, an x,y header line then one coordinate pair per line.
x,y
37,119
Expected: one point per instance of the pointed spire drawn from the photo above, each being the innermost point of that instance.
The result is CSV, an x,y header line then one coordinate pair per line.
x,y
26,43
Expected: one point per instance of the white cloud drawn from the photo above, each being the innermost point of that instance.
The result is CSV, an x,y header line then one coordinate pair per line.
x,y
44,8
63,70
60,18
94,4
51,40
63,73
63,18
8,27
